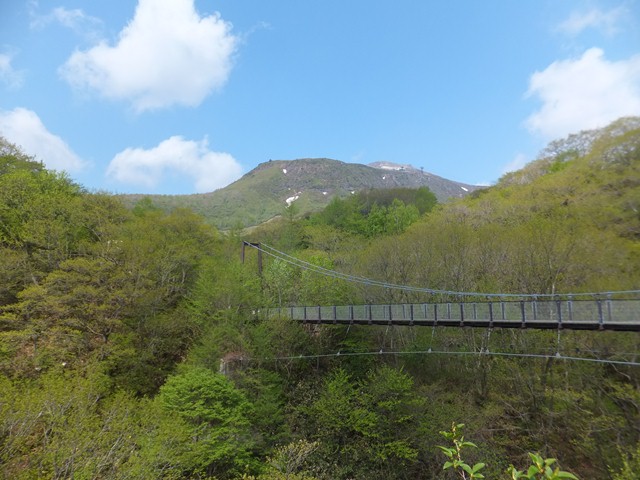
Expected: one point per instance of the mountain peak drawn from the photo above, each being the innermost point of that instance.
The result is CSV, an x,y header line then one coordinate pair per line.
x,y
393,166
310,183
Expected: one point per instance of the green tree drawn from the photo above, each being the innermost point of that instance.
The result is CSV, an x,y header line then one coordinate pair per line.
x,y
12,158
319,289
365,427
281,283
218,415
60,426
41,224
288,462
223,284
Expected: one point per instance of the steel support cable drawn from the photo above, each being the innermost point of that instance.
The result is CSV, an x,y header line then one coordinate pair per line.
x,y
332,273
322,270
352,278
316,268
335,274
444,352
367,281
309,266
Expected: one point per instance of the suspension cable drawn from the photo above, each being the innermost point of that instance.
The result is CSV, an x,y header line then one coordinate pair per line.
x,y
273,252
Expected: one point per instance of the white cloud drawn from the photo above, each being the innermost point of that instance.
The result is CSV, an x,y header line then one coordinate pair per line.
x,y
75,19
584,93
519,161
24,128
8,75
208,170
168,54
606,22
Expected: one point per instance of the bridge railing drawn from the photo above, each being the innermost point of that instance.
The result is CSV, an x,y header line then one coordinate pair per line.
x,y
597,313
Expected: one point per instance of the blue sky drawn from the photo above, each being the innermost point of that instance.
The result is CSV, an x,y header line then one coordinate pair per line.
x,y
184,96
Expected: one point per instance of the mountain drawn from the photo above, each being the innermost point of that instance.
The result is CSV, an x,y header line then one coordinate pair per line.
x,y
264,192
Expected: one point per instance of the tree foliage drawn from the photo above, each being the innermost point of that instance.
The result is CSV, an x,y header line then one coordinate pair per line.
x,y
377,212
135,343
218,417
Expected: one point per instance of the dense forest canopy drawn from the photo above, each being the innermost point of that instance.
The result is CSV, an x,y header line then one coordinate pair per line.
x,y
131,345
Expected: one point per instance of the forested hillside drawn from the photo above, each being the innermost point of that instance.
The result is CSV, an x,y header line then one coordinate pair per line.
x,y
263,193
132,343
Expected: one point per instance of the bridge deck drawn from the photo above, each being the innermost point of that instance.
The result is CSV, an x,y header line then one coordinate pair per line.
x,y
593,314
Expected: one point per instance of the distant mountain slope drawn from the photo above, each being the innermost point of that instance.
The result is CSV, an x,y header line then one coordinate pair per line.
x,y
594,173
264,192
603,147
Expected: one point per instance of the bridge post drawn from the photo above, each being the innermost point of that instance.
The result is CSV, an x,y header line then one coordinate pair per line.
x,y
335,314
255,245
319,314
524,315
570,307
370,315
490,314
390,315
462,314
559,310
350,314
600,315
411,314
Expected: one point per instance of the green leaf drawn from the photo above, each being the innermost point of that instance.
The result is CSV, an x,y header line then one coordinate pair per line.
x,y
537,460
515,474
566,475
447,451
532,471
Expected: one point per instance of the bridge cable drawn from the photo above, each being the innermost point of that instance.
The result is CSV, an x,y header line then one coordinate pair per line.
x,y
273,252
332,273
557,356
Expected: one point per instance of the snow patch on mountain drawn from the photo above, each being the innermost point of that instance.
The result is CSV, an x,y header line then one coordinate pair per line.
x,y
292,199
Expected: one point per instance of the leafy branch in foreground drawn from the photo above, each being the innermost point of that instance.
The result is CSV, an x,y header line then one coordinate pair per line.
x,y
541,468
455,454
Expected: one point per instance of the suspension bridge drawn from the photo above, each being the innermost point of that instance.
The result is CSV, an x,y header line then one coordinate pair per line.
x,y
614,310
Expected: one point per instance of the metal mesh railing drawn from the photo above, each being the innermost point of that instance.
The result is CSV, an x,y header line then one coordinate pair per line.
x,y
593,313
